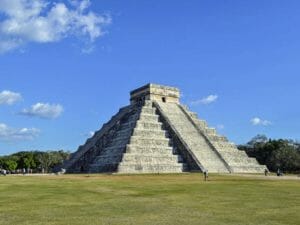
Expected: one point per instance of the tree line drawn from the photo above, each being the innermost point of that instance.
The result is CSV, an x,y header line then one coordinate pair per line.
x,y
33,161
276,154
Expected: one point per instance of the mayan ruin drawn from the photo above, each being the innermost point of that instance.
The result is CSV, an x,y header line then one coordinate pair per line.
x,y
156,134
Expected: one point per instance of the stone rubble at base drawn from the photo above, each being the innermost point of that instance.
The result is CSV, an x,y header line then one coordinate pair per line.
x,y
156,134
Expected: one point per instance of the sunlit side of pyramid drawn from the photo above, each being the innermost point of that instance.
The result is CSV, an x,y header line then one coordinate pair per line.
x,y
156,134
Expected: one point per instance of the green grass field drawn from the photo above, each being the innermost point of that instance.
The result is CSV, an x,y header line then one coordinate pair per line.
x,y
148,199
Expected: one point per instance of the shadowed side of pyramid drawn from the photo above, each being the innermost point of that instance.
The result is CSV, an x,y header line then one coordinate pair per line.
x,y
156,134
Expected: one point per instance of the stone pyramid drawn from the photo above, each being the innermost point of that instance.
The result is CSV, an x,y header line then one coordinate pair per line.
x,y
156,134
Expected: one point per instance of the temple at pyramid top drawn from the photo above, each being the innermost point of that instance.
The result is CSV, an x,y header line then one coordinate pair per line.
x,y
155,92
156,134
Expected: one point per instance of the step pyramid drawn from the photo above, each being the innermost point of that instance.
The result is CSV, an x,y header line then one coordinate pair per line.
x,y
156,134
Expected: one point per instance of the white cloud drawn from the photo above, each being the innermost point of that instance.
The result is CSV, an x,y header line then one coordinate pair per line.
x,y
10,134
205,101
44,110
256,121
9,97
91,134
44,21
88,134
220,127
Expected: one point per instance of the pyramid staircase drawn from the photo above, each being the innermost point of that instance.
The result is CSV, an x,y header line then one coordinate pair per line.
x,y
209,159
237,161
214,152
141,145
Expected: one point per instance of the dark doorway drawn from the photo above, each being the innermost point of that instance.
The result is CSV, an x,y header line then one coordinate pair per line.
x,y
163,99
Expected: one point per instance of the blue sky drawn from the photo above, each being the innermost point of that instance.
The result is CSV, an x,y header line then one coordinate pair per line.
x,y
67,72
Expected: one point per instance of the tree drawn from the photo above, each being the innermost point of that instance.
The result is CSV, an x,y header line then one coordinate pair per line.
x,y
36,160
10,165
29,162
45,159
2,162
25,160
283,154
286,158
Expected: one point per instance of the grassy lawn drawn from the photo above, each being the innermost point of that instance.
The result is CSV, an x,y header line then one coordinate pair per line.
x,y
148,199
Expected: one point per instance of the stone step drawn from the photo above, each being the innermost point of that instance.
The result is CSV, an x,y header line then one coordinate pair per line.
x,y
131,119
142,149
210,131
108,158
217,138
189,132
151,158
150,133
149,118
128,125
146,125
115,153
224,145
182,128
137,168
116,157
253,160
205,158
197,144
148,110
227,149
173,114
114,148
194,115
124,133
150,168
102,168
149,141
119,141
235,153
202,124
238,160
249,169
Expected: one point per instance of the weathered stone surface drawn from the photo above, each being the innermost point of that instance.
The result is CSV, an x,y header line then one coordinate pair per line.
x,y
155,92
156,134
